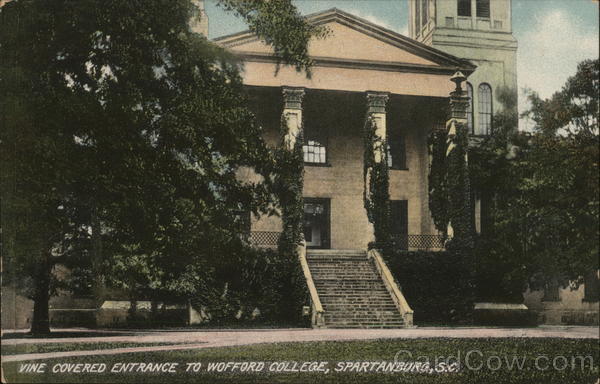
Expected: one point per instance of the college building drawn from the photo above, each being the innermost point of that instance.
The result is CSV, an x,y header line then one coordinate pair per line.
x,y
405,84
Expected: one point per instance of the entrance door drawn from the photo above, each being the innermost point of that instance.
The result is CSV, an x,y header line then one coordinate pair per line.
x,y
316,223
399,223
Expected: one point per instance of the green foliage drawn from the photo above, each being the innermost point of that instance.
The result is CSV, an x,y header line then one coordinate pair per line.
x,y
280,25
540,191
376,194
122,133
289,182
438,190
458,187
438,286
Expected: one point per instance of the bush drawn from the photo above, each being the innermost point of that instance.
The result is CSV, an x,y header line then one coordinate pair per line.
x,y
437,285
259,279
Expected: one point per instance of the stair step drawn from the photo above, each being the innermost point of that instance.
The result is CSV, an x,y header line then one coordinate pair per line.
x,y
351,290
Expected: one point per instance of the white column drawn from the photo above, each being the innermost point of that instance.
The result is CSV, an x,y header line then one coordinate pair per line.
x,y
292,111
376,102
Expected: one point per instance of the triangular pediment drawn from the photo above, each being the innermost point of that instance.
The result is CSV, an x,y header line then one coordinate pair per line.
x,y
352,39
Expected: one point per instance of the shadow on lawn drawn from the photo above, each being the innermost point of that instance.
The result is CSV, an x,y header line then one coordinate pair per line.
x,y
63,334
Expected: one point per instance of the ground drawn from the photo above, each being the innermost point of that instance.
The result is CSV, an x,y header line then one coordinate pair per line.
x,y
477,355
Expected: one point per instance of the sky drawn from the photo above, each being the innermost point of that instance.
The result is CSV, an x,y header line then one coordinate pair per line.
x,y
553,35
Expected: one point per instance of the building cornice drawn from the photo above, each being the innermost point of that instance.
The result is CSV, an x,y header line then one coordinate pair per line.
x,y
360,64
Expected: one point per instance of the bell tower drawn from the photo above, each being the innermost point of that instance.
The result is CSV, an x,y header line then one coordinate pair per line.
x,y
479,31
199,22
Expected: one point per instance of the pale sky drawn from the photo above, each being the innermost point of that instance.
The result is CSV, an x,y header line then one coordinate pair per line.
x,y
553,35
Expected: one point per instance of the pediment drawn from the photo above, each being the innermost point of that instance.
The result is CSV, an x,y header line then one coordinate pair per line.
x,y
352,39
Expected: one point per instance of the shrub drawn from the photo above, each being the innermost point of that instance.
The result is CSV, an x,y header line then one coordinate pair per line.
x,y
437,285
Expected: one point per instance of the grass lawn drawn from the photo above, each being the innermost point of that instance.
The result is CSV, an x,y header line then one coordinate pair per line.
x,y
487,361
60,347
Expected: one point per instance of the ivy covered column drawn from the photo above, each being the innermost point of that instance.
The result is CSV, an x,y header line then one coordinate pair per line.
x,y
457,172
292,289
376,178
291,170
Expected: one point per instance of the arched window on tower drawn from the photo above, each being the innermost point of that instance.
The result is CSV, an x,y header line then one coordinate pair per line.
x,y
470,108
485,110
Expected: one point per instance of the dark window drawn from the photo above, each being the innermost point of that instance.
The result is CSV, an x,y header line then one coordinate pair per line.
x,y
470,108
314,152
396,155
399,223
591,287
424,12
464,8
483,8
485,110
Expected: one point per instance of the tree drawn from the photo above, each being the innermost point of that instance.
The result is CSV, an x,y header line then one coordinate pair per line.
x,y
540,191
122,132
562,184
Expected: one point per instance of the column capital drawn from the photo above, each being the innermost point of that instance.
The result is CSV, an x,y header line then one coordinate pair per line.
x,y
377,101
292,97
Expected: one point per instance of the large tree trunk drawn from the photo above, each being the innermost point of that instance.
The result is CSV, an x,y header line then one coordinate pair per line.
x,y
40,324
99,289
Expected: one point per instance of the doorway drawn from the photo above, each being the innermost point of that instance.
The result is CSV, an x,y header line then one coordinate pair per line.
x,y
317,223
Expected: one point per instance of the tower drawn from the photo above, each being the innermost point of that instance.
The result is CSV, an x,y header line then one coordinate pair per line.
x,y
479,31
199,23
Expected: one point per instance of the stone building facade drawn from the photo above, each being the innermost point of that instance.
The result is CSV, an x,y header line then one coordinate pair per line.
x,y
356,60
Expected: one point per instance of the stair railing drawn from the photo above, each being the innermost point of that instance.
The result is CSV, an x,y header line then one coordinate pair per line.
x,y
392,287
317,316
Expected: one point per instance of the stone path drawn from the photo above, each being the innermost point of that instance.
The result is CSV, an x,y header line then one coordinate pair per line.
x,y
228,338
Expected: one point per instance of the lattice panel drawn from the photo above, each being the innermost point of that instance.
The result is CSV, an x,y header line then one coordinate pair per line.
x,y
423,242
264,239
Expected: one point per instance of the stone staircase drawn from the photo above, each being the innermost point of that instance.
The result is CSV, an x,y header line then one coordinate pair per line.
x,y
351,290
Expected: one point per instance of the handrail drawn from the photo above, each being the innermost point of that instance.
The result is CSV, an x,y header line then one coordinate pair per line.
x,y
318,320
388,279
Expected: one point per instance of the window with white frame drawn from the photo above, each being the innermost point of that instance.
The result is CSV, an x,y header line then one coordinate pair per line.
x,y
485,110
315,152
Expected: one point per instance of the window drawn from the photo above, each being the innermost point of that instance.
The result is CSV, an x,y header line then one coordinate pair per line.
x,y
464,8
396,152
424,12
314,152
485,110
483,8
470,108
